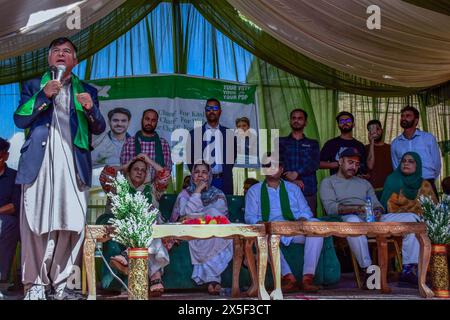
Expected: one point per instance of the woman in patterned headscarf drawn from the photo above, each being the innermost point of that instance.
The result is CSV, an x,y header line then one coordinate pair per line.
x,y
137,174
210,257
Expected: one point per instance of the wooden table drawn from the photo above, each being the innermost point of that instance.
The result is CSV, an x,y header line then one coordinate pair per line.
x,y
235,231
381,230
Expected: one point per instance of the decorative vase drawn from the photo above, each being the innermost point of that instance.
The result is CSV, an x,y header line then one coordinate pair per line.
x,y
439,271
138,274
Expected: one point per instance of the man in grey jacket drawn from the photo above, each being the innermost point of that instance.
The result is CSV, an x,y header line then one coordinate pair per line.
x,y
345,194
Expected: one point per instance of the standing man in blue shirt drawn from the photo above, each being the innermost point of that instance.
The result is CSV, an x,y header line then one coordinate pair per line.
x,y
301,158
9,212
424,143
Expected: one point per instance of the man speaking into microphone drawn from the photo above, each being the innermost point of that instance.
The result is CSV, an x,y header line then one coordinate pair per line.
x,y
59,113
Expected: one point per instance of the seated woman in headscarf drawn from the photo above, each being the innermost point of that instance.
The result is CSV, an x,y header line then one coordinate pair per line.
x,y
136,173
210,257
405,185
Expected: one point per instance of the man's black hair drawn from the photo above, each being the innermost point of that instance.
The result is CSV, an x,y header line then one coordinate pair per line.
x,y
61,40
305,114
413,110
374,121
119,110
4,145
213,100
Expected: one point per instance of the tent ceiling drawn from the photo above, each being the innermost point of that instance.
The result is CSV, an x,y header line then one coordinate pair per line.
x,y
326,42
24,55
441,6
23,26
412,49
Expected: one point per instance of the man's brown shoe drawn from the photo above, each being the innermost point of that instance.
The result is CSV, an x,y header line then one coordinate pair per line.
x,y
307,284
288,283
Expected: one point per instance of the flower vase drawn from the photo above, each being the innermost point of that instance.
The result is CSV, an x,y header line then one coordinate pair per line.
x,y
138,274
439,271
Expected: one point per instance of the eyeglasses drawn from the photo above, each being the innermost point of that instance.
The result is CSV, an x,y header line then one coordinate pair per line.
x,y
344,121
212,108
66,51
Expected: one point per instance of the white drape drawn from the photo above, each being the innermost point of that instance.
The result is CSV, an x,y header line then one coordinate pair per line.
x,y
412,48
26,25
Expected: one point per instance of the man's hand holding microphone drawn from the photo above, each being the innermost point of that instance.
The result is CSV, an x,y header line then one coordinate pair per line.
x,y
53,87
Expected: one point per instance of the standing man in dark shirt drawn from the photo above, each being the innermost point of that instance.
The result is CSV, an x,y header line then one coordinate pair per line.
x,y
329,156
379,163
301,157
9,212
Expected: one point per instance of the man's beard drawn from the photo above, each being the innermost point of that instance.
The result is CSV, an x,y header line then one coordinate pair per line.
x,y
379,139
298,128
350,173
212,118
346,129
148,130
406,124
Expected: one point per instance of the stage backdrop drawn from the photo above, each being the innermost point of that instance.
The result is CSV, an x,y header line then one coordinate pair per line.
x,y
179,100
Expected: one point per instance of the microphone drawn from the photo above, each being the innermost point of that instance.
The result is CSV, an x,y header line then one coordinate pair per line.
x,y
57,72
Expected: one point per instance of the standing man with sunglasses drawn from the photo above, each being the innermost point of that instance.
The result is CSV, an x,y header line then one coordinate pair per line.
x,y
214,139
329,155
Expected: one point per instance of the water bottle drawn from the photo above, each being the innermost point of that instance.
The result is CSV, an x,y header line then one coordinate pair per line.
x,y
370,216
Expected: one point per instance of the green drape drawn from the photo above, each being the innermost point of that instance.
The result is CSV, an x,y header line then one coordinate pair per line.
x,y
174,37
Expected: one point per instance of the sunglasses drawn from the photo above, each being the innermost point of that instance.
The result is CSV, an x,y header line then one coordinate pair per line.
x,y
212,108
344,121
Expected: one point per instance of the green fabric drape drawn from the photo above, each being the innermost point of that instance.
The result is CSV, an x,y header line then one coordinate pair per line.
x,y
205,51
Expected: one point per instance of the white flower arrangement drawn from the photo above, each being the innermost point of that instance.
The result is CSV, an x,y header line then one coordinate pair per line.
x,y
134,216
437,219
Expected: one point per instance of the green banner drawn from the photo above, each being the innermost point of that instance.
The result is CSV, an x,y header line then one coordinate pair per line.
x,y
174,86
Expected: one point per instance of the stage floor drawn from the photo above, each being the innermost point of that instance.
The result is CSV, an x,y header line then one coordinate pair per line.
x,y
345,290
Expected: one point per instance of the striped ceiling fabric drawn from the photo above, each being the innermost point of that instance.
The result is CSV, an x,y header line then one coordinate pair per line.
x,y
410,50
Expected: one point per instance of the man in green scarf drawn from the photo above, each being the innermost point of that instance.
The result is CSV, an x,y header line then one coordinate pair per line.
x,y
148,142
279,200
59,114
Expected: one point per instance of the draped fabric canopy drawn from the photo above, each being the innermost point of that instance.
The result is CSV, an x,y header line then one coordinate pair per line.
x,y
410,50
325,42
26,24
23,50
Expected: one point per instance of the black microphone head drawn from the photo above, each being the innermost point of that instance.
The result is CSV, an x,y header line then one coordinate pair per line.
x,y
53,72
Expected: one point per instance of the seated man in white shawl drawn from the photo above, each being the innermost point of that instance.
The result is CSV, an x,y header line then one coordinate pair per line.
x,y
279,200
